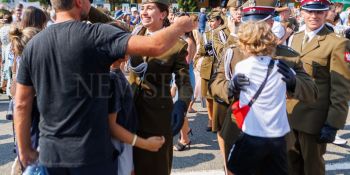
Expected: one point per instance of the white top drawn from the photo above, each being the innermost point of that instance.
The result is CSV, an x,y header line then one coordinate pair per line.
x,y
344,17
268,115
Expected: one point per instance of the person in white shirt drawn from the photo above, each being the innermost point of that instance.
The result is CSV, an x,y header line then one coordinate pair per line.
x,y
262,146
282,30
344,16
278,30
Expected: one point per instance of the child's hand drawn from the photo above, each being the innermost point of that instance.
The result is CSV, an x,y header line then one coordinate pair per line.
x,y
155,143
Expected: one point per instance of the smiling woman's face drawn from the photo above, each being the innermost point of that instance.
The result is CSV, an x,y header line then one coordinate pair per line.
x,y
151,15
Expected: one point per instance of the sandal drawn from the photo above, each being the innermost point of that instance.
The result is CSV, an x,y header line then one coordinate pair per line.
x,y
188,133
181,147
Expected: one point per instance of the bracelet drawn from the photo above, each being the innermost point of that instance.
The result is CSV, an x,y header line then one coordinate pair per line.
x,y
134,140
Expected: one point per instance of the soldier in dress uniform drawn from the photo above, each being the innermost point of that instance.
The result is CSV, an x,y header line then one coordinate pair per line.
x,y
150,79
326,58
213,42
299,85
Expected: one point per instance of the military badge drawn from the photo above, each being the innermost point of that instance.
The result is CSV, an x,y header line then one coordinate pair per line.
x,y
347,57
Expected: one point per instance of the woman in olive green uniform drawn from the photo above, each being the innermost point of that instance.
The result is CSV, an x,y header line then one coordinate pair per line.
x,y
150,79
211,48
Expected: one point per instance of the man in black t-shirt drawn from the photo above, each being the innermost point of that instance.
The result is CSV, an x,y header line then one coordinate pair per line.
x,y
66,66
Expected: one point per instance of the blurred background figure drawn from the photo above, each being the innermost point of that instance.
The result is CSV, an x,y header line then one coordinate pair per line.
x,y
17,16
284,26
5,41
118,12
202,20
184,141
135,16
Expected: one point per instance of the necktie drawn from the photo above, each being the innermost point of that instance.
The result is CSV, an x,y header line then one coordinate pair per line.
x,y
305,41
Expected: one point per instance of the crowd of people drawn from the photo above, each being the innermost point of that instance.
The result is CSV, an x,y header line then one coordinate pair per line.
x,y
93,93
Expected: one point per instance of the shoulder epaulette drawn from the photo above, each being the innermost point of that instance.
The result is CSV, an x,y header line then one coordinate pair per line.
x,y
336,36
283,50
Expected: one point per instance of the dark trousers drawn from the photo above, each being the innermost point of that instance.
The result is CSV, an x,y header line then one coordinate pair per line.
x,y
105,168
305,154
154,163
258,155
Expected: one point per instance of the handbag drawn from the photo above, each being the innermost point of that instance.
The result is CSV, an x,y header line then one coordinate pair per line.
x,y
240,113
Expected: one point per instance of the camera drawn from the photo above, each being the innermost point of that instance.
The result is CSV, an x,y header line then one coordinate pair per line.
x,y
209,49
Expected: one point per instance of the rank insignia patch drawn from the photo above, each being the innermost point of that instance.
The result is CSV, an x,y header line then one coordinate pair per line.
x,y
347,57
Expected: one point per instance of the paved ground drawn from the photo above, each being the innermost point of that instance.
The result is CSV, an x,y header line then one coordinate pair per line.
x,y
202,159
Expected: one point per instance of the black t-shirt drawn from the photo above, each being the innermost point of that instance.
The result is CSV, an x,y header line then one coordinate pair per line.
x,y
68,66
122,101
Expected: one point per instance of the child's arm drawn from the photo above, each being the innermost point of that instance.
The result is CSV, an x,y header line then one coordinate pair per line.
x,y
151,144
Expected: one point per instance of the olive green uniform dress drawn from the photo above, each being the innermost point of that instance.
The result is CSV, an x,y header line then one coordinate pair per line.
x,y
326,59
154,104
219,38
305,89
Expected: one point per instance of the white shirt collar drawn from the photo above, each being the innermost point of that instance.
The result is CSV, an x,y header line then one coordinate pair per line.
x,y
313,33
148,33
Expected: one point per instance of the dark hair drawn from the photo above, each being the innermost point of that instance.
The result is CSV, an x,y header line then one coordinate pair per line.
x,y
222,20
62,5
7,18
4,12
164,8
34,17
337,17
19,6
347,33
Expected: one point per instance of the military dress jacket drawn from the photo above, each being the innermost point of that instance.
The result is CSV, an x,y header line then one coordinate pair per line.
x,y
305,89
326,59
219,38
152,95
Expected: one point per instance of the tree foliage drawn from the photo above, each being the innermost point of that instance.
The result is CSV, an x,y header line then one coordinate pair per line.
x,y
188,5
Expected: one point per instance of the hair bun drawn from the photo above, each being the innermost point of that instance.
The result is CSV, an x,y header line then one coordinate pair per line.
x,y
15,32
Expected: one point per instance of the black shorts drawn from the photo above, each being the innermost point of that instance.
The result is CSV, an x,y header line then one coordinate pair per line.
x,y
105,168
252,155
